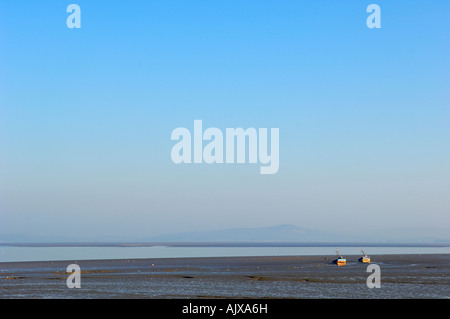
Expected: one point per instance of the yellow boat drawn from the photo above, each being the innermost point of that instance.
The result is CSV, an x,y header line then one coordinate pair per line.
x,y
365,258
340,261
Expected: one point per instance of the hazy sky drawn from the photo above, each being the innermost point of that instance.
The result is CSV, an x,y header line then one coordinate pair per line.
x,y
86,115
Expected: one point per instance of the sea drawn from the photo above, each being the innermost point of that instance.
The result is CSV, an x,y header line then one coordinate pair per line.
x,y
95,251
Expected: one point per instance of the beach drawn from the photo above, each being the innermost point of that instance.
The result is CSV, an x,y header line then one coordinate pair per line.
x,y
300,277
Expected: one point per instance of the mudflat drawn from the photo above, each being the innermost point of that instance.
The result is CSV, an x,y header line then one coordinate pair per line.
x,y
402,276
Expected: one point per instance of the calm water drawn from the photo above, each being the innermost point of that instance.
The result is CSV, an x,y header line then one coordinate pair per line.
x,y
12,253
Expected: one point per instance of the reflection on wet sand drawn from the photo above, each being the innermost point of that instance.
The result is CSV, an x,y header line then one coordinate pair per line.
x,y
402,276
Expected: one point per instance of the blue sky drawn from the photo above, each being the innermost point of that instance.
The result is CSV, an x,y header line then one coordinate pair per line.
x,y
86,115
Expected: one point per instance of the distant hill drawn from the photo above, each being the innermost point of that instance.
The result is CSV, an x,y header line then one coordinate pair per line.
x,y
26,238
412,234
271,234
279,233
292,233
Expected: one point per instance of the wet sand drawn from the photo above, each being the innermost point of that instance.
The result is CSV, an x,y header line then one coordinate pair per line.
x,y
402,276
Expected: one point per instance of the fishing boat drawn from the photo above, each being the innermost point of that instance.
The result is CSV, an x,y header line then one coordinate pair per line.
x,y
340,261
364,258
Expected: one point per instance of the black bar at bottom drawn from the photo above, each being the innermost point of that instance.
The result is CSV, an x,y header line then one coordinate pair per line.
x,y
224,308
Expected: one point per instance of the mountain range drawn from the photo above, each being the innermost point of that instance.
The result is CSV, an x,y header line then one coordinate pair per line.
x,y
271,234
292,233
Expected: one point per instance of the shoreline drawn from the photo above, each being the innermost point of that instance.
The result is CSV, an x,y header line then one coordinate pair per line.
x,y
224,244
299,258
58,253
